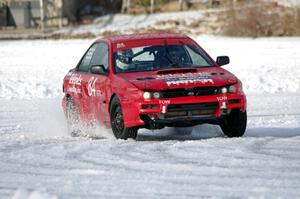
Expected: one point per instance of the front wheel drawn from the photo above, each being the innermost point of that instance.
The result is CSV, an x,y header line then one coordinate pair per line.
x,y
234,125
117,122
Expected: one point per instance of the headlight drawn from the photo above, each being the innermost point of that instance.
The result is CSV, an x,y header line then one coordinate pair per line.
x,y
232,89
156,95
147,95
152,95
240,88
224,90
227,89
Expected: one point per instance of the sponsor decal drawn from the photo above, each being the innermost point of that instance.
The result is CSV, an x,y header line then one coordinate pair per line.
x,y
74,90
120,45
164,101
186,78
75,80
222,98
91,87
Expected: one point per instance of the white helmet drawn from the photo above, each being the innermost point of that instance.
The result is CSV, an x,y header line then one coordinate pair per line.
x,y
124,58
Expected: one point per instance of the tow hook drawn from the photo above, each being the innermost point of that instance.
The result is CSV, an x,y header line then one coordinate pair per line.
x,y
164,109
224,109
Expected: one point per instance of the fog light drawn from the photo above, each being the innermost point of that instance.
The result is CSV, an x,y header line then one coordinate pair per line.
x,y
147,95
224,90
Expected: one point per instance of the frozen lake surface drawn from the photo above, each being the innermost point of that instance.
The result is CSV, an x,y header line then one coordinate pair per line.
x,y
39,158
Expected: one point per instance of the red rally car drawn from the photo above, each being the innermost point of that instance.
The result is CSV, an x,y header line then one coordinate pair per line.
x,y
152,81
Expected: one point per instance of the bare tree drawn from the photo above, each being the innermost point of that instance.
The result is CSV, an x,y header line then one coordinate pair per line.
x,y
180,2
152,6
42,15
125,5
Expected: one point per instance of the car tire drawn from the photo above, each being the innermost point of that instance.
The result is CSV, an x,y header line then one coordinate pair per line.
x,y
73,120
234,125
117,122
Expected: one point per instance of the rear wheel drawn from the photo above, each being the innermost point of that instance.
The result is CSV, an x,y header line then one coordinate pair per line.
x,y
73,121
234,125
117,122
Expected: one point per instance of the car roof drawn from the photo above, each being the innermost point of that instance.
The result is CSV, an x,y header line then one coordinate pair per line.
x,y
143,36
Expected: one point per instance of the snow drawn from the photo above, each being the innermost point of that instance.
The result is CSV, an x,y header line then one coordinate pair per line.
x,y
289,3
25,194
40,160
34,69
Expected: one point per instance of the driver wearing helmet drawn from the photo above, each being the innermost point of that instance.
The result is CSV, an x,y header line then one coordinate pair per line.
x,y
123,59
176,54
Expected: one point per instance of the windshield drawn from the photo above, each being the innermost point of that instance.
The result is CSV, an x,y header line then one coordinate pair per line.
x,y
150,58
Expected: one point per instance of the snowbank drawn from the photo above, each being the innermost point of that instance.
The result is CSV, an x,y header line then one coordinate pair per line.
x,y
289,3
123,23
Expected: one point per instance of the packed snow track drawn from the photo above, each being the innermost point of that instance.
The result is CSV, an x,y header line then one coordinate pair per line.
x,y
40,160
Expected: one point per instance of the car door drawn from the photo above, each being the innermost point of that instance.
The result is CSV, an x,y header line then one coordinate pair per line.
x,y
82,71
97,84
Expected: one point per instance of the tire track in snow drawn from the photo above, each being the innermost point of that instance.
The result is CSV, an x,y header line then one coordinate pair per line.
x,y
163,165
275,115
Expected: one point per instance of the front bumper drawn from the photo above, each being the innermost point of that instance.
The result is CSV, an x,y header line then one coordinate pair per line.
x,y
181,111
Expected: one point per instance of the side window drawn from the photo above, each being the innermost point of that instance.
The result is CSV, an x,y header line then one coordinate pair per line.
x,y
100,56
86,60
196,57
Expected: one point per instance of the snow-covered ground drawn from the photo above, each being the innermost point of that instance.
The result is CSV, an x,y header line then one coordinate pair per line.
x,y
39,160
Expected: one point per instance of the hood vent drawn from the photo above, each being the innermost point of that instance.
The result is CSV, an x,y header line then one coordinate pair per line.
x,y
144,78
217,73
175,71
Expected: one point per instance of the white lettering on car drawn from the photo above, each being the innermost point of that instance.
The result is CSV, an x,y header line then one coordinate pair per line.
x,y
164,101
186,78
120,45
74,90
222,98
189,81
75,80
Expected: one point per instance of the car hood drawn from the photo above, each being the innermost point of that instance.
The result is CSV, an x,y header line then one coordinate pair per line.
x,y
180,78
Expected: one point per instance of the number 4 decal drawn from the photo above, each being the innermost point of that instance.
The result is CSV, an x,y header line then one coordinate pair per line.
x,y
92,86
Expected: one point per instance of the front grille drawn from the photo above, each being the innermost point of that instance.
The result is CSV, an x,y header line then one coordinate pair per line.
x,y
234,101
186,110
192,107
200,91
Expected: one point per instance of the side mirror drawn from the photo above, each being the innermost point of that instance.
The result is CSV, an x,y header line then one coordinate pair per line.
x,y
98,69
223,60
